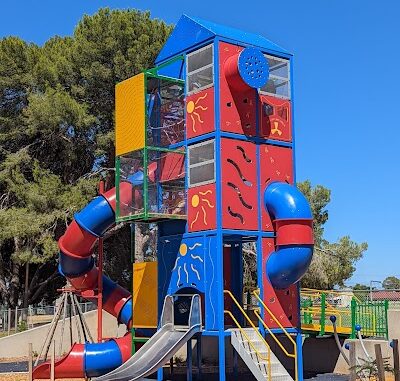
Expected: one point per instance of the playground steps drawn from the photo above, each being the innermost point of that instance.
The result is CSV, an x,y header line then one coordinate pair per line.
x,y
257,362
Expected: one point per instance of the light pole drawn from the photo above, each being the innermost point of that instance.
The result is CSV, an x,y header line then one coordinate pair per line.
x,y
370,287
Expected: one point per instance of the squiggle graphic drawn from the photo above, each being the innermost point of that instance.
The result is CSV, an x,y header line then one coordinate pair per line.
x,y
179,276
196,257
194,246
186,272
195,271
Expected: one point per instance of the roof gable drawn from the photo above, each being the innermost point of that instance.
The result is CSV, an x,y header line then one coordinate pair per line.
x,y
192,31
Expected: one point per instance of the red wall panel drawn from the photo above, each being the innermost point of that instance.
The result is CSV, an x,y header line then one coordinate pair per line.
x,y
201,208
275,118
200,113
282,303
239,185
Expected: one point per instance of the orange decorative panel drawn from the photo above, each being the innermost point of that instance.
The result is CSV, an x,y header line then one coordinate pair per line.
x,y
201,208
200,113
282,303
276,164
239,185
275,118
237,108
130,115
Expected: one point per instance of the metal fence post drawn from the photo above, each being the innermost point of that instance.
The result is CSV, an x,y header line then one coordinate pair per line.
x,y
322,320
386,319
16,320
353,318
9,321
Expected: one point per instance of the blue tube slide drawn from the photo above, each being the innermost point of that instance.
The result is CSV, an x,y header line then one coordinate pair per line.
x,y
289,262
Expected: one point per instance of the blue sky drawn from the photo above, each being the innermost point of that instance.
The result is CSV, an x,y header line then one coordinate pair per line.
x,y
346,87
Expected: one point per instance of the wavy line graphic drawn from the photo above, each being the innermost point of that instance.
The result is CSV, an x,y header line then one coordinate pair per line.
x,y
245,181
245,204
241,149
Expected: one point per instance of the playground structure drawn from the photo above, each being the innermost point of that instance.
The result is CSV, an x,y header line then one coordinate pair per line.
x,y
204,149
317,308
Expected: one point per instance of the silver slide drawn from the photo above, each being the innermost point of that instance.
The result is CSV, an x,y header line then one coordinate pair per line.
x,y
161,347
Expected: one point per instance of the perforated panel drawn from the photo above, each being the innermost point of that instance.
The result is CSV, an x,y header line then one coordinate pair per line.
x,y
239,185
130,115
282,303
238,108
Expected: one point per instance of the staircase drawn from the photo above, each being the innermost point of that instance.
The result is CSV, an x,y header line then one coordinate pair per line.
x,y
258,357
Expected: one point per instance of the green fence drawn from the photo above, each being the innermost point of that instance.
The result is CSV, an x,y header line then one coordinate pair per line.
x,y
371,316
318,307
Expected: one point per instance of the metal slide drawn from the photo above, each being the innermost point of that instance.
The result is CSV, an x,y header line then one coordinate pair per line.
x,y
162,346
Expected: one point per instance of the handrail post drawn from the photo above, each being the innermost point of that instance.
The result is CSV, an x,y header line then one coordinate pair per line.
x,y
322,319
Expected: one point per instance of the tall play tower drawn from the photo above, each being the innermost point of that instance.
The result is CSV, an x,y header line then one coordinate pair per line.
x,y
205,148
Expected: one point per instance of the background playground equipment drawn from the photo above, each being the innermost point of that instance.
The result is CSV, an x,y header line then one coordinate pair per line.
x,y
204,145
317,306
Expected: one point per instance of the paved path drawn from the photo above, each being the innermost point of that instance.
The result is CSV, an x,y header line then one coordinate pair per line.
x,y
8,367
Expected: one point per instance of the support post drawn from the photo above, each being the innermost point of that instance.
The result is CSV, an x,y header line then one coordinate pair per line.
x,y
352,359
52,360
30,361
100,281
379,362
396,360
299,356
322,320
189,360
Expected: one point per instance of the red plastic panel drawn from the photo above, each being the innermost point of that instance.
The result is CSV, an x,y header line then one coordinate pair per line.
x,y
239,185
200,113
237,108
172,166
275,118
201,208
276,165
282,303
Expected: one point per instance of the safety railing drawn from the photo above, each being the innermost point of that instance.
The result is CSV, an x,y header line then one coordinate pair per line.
x,y
255,329
317,306
293,355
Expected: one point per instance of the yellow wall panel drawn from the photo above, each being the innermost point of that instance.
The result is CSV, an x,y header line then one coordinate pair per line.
x,y
130,114
145,294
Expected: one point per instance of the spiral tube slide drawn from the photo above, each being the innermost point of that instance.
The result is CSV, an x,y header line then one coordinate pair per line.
x,y
292,217
77,265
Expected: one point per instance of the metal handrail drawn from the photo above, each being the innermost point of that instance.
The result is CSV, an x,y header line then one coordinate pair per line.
x,y
243,332
287,334
332,292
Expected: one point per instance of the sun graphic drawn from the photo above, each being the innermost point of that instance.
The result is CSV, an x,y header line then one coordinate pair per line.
x,y
191,108
188,267
198,201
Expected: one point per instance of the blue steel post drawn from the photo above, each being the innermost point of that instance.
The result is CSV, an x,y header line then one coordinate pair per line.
x,y
299,349
219,254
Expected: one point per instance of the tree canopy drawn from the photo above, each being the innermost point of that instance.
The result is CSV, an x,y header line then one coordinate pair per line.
x,y
391,283
56,138
333,262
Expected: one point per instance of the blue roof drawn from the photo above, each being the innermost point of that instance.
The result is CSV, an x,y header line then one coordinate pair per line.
x,y
192,31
